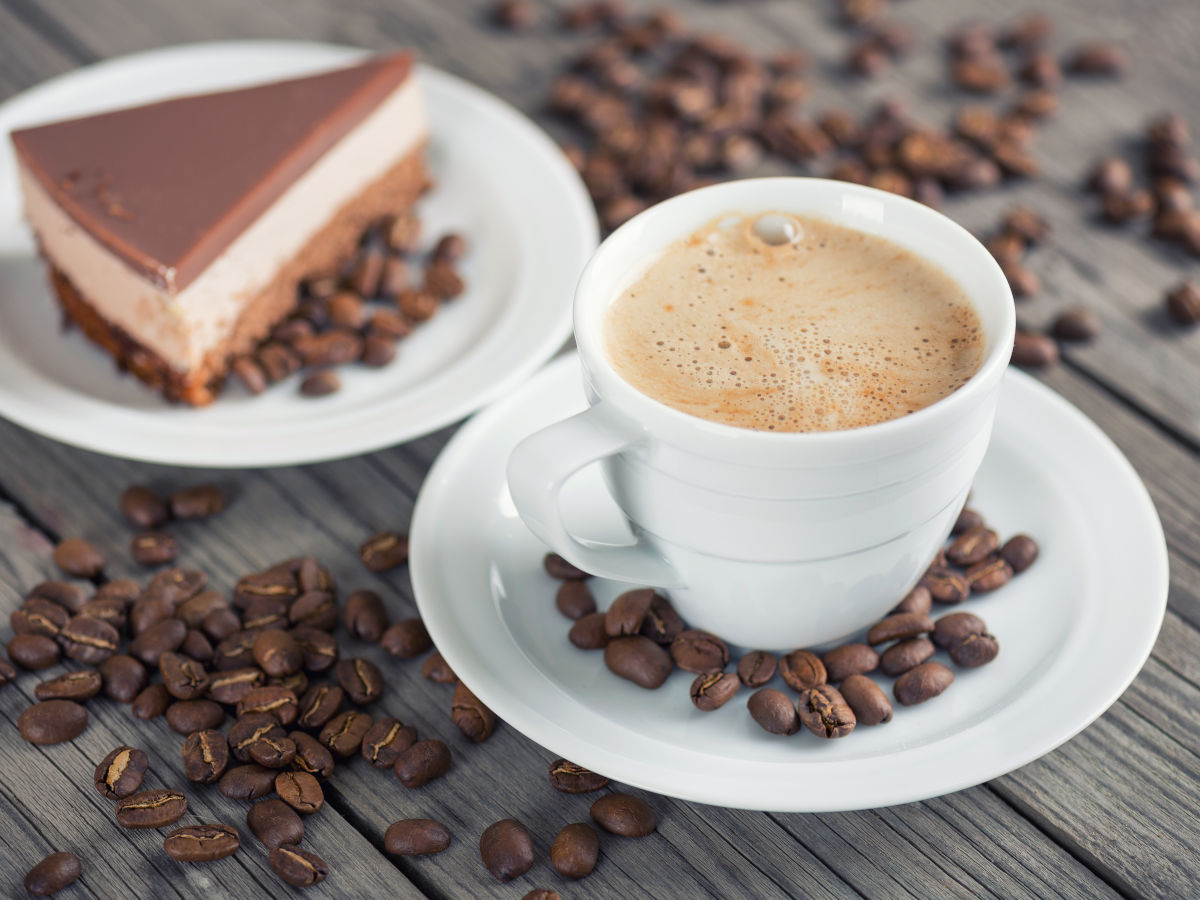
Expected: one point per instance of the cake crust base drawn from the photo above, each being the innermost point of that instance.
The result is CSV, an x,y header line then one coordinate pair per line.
x,y
393,194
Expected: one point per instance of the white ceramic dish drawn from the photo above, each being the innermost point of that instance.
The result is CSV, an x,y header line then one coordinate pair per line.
x,y
501,181
1070,640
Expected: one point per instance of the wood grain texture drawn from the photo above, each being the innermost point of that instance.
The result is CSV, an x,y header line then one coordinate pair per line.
x,y
1110,813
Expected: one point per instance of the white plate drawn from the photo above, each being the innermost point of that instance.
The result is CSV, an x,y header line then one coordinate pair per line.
x,y
499,180
1074,630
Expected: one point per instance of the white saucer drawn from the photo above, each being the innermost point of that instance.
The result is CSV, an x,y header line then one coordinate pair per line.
x,y
1074,630
500,180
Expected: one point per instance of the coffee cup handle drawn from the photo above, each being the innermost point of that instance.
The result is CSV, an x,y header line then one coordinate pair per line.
x,y
537,470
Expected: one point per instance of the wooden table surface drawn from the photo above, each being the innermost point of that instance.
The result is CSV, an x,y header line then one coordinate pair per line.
x,y
1114,811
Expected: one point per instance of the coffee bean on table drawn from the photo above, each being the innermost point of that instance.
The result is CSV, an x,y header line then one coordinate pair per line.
x,y
569,778
151,702
849,659
974,650
79,558
953,627
384,551
973,546
89,640
8,672
319,649
231,685
52,722
638,659
205,756
435,669
186,716
301,791
898,627
344,733
143,508
201,843
299,868
276,652
1020,552
756,668
773,711
39,616
162,637
1183,303
197,502
320,704
904,655
867,700
80,685
989,575
364,616
153,548
918,601
507,849
385,741
184,678
802,669
923,683
416,837
151,809
574,599
311,755
473,719
360,679
196,645
275,823
272,752
52,874
559,568
1033,351
406,639
422,762
248,782
627,612
699,651
575,850
625,815
33,651
825,713
120,773
713,690
272,584
589,633
945,585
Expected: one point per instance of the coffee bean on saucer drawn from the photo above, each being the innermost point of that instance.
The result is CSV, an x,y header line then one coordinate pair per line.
x,y
153,548
360,679
802,669
904,655
627,613
252,376
198,502
974,650
364,616
637,659
898,627
989,575
344,733
923,683
473,719
201,843
662,623
825,713
849,659
972,546
624,814
150,702
79,686
417,304
417,837
248,782
384,551
699,652
406,639
422,762
867,700
436,670
1020,552
953,627
33,651
120,773
54,873
311,756
945,585
299,868
967,520
52,722
186,716
79,558
569,778
773,711
575,850
574,599
756,668
321,383
590,632
205,756
301,791
1033,351
151,809
918,601
506,848
713,690
559,568
385,740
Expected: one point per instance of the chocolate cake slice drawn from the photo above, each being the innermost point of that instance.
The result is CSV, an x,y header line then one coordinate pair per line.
x,y
178,232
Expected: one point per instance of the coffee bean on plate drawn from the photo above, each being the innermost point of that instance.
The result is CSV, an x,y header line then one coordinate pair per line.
x,y
33,651
321,383
589,632
186,716
974,650
151,809
898,627
625,815
989,575
360,679
184,678
205,756
699,651
923,683
153,548
867,700
575,850
385,741
825,713
384,551
364,616
637,659
248,782
918,601
473,719
311,755
972,546
507,849
662,623
756,668
953,627
52,722
1020,552
713,690
436,670
120,773
627,612
201,843
802,669
299,868
422,762
574,599
849,659
301,791
945,585
79,558
54,873
773,711
344,733
79,686
197,502
151,702
904,655
559,568
569,778
416,837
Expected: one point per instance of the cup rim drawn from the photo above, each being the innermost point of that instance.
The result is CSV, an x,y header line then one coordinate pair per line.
x,y
643,409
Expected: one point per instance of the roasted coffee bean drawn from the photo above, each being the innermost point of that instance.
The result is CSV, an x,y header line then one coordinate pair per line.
x,y
422,762
39,616
79,558
625,815
627,612
953,627
542,894
973,546
849,659
898,627
507,849
8,672
120,773
388,324
148,611
234,652
442,281
52,722
347,309
151,702
197,502
265,613
230,686
559,568
989,575
201,843
436,670
319,648
513,15
1034,351
699,652
321,383
773,711
714,689
384,551
252,375
569,778
87,640
276,653
406,639
417,304
378,350
151,809
162,637
756,668
365,617
385,741
1099,58
274,584
186,716
311,756
184,678
416,837
69,596
299,868
314,609
153,548
1111,175
320,704
574,599
1183,303
52,874
637,659
450,248
195,609
344,733
81,685
662,623
825,713
300,790
250,728
575,850
33,651
968,520
923,683
1020,552
272,752
297,683
589,632
176,585
918,601
205,756
945,585
110,609
904,655
360,679
974,650
867,700
802,669
275,823
143,508
473,719
248,782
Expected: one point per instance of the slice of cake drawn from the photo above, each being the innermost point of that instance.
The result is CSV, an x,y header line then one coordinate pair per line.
x,y
177,233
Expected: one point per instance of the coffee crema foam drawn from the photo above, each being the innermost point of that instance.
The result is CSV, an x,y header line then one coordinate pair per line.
x,y
817,327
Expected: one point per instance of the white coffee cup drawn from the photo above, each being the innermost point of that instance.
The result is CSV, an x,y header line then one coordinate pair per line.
x,y
770,540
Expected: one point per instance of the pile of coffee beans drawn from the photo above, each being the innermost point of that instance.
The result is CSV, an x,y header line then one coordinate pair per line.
x,y
644,640
361,314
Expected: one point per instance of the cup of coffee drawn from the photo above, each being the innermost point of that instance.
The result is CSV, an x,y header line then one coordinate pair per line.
x,y
791,384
